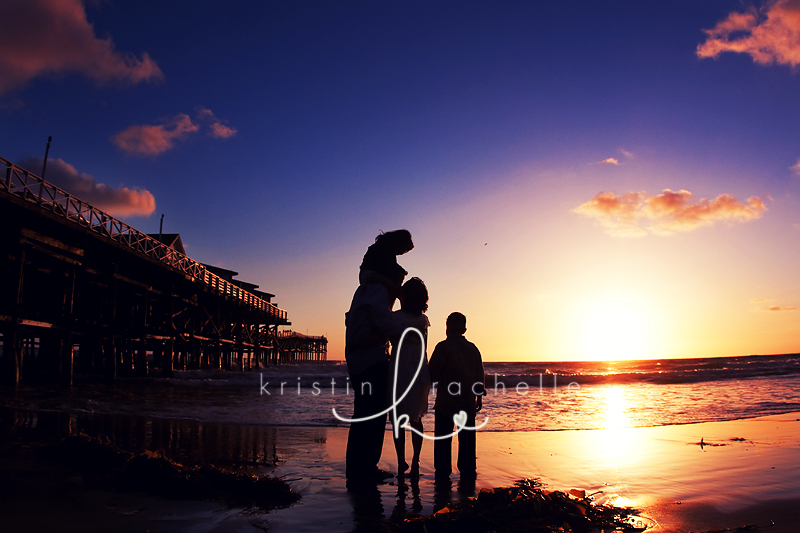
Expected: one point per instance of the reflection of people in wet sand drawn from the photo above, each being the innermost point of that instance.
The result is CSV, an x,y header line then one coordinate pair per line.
x,y
457,368
407,363
370,324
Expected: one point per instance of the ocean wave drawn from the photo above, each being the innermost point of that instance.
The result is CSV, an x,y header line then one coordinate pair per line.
x,y
670,371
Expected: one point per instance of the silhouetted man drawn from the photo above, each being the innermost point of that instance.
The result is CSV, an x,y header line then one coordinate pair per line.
x,y
369,327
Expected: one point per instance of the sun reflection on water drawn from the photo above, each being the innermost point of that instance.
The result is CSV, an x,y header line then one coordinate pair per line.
x,y
615,413
616,440
621,449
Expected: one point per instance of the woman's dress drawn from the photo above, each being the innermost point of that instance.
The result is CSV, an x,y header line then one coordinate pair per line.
x,y
415,403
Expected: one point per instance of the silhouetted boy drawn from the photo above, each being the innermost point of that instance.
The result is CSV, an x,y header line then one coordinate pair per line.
x,y
457,367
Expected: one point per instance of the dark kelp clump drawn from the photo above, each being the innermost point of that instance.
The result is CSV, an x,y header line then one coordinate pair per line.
x,y
524,507
102,464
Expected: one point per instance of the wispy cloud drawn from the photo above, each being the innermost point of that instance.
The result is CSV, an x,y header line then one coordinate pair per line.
x,y
216,127
770,307
44,37
674,210
609,161
154,139
770,34
796,167
151,140
618,214
626,153
219,130
116,201
636,214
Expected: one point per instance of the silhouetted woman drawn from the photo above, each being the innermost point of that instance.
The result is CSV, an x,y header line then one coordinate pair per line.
x,y
415,403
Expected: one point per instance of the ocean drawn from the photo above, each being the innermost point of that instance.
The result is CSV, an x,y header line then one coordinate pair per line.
x,y
534,396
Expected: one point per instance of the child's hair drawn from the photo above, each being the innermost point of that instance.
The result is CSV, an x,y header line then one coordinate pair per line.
x,y
397,239
415,296
457,321
396,274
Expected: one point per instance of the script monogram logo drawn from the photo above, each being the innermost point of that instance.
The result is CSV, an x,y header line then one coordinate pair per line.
x,y
402,421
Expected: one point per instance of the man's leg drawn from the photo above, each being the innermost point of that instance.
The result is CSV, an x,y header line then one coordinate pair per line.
x,y
365,439
467,448
442,448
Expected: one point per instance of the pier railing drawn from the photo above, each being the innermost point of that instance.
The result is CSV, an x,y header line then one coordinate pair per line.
x,y
33,189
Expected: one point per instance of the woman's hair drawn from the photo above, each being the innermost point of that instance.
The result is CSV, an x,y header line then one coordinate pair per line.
x,y
415,296
400,238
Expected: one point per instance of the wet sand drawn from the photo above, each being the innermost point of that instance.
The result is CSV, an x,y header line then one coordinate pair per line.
x,y
677,484
665,472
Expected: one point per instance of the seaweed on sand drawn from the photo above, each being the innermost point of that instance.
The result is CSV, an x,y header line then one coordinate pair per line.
x,y
102,464
524,507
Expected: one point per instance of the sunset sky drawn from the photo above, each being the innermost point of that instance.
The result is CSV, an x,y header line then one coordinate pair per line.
x,y
583,180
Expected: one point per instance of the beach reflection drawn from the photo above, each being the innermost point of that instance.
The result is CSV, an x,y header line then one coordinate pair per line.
x,y
616,442
401,509
225,445
367,507
619,447
615,409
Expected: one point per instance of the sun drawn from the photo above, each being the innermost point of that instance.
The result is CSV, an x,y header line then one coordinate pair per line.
x,y
614,331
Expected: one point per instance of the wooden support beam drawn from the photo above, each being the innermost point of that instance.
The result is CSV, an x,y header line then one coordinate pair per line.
x,y
141,351
110,348
67,357
13,352
55,243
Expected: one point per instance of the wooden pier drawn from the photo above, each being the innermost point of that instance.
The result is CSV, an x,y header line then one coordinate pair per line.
x,y
84,292
298,348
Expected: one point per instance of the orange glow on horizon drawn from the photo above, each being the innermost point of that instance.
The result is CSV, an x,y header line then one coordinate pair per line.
x,y
616,328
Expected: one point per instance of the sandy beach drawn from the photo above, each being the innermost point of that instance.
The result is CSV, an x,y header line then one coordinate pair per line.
x,y
229,227
747,472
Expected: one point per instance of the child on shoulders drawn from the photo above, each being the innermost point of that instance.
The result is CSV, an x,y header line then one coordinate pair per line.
x,y
380,262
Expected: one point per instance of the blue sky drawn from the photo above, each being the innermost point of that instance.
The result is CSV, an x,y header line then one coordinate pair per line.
x,y
292,132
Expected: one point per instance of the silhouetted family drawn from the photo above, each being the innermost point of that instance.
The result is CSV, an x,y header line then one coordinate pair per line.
x,y
401,376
